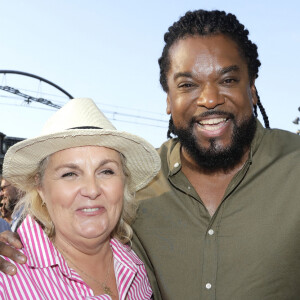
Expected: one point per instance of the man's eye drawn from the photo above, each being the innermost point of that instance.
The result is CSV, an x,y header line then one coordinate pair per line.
x,y
230,80
185,85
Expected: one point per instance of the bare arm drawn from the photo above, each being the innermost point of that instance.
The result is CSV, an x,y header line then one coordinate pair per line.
x,y
13,241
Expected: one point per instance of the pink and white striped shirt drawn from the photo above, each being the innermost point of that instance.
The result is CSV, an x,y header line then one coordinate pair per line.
x,y
46,274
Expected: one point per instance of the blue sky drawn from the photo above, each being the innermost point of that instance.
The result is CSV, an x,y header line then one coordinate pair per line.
x,y
108,51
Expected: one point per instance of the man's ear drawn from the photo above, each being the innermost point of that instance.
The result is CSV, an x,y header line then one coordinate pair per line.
x,y
253,93
168,105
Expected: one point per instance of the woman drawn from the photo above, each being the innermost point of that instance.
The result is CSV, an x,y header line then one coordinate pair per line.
x,y
79,176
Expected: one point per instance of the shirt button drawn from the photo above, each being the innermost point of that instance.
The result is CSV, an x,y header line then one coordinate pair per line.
x,y
208,286
211,232
176,165
189,187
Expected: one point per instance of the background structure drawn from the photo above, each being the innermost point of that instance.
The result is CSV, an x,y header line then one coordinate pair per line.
x,y
108,50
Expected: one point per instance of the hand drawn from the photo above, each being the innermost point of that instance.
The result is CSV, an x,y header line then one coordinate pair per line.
x,y
13,241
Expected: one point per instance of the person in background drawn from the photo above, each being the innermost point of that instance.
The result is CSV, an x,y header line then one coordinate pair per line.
x,y
10,196
80,176
4,225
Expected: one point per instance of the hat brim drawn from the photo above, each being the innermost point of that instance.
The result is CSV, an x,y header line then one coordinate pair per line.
x,y
23,158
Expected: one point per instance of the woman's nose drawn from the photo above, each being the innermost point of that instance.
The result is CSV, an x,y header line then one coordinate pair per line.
x,y
91,188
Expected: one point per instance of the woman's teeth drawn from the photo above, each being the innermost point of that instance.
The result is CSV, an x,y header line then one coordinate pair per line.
x,y
89,209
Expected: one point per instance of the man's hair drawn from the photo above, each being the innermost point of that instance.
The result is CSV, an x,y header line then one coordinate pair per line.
x,y
206,23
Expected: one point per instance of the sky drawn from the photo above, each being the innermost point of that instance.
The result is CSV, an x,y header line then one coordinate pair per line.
x,y
108,51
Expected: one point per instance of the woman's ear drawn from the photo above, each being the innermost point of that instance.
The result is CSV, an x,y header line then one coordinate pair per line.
x,y
38,184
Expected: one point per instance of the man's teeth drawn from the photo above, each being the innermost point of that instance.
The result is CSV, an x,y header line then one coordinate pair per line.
x,y
212,124
212,121
90,209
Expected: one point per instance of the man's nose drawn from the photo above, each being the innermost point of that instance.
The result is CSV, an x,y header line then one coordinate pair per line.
x,y
210,97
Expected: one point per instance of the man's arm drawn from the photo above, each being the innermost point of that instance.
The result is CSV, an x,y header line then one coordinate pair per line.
x,y
9,242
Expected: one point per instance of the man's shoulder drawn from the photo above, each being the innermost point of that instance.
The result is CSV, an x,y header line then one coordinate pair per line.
x,y
167,147
282,140
159,185
277,152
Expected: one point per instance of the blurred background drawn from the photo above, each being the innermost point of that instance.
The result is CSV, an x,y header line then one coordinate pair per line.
x,y
108,51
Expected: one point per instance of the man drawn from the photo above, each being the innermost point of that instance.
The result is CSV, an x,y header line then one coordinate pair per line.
x,y
221,220
9,198
3,224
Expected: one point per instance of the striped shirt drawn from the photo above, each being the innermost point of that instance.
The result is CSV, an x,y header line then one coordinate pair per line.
x,y
46,274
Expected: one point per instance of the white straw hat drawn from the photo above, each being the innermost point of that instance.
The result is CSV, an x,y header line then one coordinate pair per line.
x,y
81,123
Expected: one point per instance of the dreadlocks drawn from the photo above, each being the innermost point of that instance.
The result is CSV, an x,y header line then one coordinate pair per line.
x,y
202,22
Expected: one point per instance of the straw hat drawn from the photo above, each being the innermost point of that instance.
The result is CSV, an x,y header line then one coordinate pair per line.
x,y
81,123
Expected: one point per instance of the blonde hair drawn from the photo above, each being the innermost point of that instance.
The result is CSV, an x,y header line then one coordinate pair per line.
x,y
33,205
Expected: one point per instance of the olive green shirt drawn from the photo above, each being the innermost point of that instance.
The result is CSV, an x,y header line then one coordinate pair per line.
x,y
249,249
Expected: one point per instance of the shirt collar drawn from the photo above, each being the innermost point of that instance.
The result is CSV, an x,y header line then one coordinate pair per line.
x,y
41,252
124,255
38,248
174,158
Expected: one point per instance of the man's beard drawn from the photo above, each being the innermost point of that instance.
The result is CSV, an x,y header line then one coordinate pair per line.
x,y
214,159
4,212
11,204
8,207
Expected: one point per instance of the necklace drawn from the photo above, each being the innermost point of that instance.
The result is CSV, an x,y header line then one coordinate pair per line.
x,y
104,286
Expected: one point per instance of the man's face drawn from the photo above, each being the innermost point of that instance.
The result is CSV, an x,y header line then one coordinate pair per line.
x,y
5,213
2,211
9,196
210,95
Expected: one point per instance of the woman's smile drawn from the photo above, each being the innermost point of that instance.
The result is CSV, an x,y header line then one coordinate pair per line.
x,y
90,211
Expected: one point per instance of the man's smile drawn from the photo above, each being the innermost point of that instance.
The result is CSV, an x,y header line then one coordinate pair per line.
x,y
212,124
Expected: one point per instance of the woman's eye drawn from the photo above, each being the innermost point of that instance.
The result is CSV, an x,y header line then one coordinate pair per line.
x,y
108,172
69,174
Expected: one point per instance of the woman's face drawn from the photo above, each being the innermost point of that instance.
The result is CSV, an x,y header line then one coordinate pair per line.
x,y
83,191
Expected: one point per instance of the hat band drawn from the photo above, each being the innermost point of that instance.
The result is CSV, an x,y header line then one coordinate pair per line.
x,y
85,127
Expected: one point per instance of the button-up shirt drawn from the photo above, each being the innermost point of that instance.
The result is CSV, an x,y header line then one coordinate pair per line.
x,y
248,250
4,225
46,274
